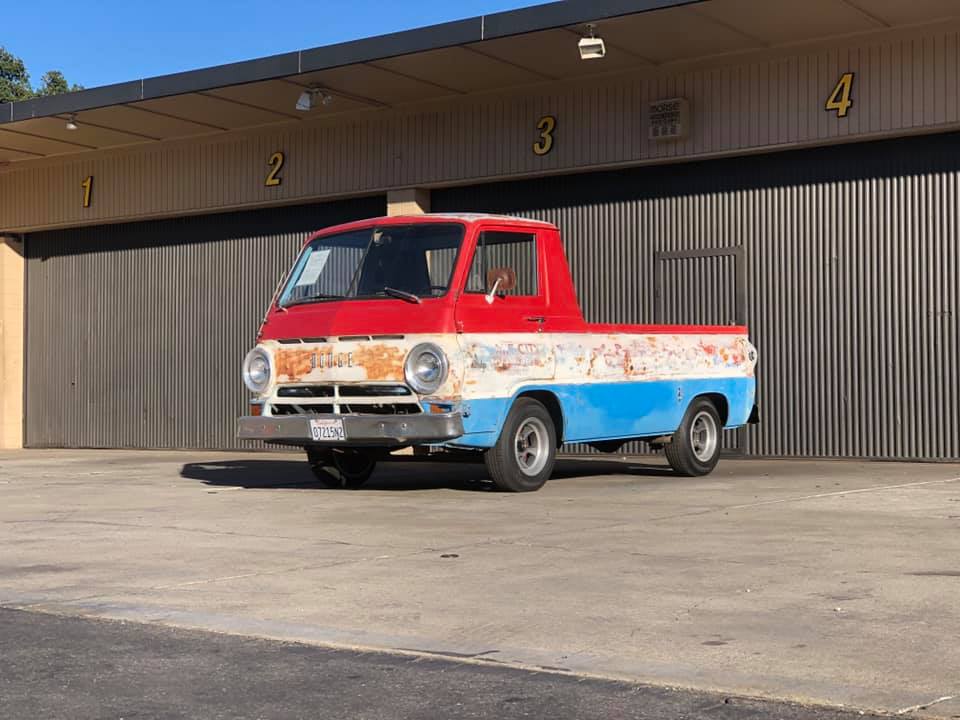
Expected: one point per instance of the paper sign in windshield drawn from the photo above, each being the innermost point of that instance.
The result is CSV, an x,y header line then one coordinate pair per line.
x,y
315,264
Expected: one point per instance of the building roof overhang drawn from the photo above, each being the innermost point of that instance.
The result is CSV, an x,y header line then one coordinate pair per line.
x,y
492,52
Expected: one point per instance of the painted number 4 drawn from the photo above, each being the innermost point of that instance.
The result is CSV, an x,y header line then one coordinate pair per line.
x,y
840,99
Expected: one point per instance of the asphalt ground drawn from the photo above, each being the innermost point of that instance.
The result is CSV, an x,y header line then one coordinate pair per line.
x,y
816,582
78,669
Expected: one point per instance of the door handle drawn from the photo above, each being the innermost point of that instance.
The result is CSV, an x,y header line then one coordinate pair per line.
x,y
539,319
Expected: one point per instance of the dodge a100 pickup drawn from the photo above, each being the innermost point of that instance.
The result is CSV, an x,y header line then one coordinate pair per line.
x,y
462,334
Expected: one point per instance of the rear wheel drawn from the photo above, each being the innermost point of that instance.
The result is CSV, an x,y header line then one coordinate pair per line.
x,y
340,468
523,458
695,448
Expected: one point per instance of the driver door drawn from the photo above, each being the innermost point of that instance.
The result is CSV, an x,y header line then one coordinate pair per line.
x,y
504,334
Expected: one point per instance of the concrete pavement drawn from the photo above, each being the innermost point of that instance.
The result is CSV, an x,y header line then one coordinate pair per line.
x,y
823,582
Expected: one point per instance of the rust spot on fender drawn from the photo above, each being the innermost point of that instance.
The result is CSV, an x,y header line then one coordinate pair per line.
x,y
454,383
380,362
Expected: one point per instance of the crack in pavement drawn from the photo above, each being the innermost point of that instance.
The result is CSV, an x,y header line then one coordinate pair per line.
x,y
924,706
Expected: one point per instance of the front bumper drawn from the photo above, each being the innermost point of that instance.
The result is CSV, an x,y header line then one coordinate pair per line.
x,y
370,430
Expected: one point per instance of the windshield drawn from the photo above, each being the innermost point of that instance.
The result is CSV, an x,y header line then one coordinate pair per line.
x,y
398,260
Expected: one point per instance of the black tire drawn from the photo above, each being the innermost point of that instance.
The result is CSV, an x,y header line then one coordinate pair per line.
x,y
505,460
345,469
689,453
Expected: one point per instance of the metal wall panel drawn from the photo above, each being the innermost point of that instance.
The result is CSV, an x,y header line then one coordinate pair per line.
x,y
136,332
907,81
852,279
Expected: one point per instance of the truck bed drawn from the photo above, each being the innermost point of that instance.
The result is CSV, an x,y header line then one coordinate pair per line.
x,y
626,329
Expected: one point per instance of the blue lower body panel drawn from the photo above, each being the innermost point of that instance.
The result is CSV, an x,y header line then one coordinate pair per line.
x,y
611,411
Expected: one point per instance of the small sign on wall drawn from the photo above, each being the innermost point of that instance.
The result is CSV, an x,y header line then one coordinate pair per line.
x,y
669,119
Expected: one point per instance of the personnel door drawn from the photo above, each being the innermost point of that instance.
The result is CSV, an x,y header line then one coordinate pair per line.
x,y
704,287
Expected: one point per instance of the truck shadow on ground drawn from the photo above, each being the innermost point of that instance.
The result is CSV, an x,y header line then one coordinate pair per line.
x,y
403,475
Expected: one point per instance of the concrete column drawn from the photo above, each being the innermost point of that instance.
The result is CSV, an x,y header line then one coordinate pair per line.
x,y
11,342
409,201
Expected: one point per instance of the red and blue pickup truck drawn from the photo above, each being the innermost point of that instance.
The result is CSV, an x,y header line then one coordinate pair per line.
x,y
462,334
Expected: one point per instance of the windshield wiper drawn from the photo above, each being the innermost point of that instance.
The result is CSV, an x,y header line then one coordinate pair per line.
x,y
313,298
402,294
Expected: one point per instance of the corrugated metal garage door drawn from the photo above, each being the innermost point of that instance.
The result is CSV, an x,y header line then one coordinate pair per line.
x,y
136,332
853,289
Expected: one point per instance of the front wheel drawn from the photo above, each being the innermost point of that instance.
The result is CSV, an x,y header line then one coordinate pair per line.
x,y
336,468
695,448
523,458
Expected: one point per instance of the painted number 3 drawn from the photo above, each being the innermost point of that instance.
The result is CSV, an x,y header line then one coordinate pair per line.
x,y
546,126
840,99
276,165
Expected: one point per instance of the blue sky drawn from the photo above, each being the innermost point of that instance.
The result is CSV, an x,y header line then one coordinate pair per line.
x,y
106,41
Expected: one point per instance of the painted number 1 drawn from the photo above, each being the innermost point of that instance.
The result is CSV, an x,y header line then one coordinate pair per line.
x,y
840,99
87,186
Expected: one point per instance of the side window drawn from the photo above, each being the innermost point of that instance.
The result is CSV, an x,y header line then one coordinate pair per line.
x,y
496,249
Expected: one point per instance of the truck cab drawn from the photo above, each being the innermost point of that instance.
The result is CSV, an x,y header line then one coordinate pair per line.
x,y
462,334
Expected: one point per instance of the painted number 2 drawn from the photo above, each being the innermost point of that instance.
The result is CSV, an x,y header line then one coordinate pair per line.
x,y
840,99
276,165
87,186
546,126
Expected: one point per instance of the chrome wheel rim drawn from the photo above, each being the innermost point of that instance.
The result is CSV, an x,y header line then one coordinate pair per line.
x,y
531,446
704,436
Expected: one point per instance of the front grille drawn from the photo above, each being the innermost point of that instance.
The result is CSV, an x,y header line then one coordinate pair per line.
x,y
301,409
307,391
361,391
393,399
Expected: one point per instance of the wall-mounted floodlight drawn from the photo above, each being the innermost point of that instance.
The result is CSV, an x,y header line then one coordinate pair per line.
x,y
592,47
72,122
312,97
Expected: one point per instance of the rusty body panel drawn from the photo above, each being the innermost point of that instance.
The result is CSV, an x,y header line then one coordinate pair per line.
x,y
484,367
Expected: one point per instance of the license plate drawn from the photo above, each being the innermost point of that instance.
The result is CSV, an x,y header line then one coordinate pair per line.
x,y
327,430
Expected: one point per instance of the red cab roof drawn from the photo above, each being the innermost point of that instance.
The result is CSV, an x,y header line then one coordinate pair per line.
x,y
463,218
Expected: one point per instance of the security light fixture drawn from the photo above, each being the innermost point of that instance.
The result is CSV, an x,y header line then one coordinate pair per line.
x,y
72,122
592,47
311,97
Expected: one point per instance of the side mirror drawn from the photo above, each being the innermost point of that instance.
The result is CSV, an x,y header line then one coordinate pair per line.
x,y
500,280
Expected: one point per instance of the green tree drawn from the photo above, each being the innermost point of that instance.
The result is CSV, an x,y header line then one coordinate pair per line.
x,y
15,80
54,83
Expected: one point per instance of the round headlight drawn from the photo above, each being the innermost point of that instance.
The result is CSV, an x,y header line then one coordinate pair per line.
x,y
426,368
256,370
